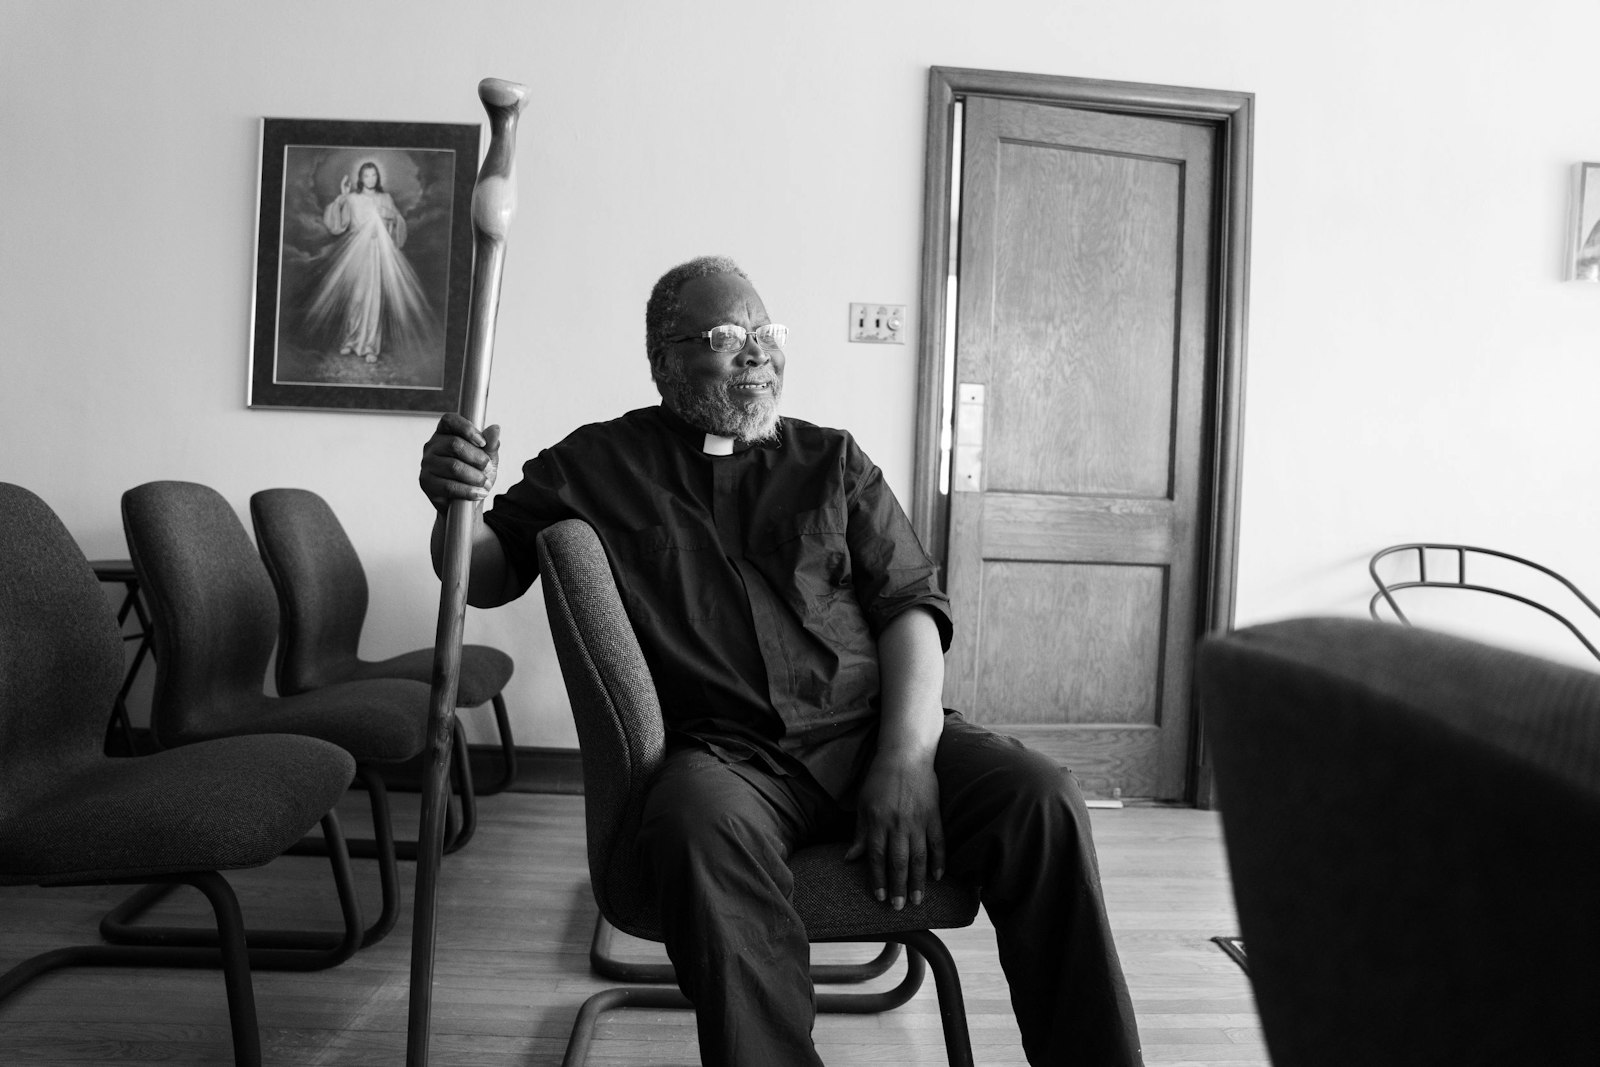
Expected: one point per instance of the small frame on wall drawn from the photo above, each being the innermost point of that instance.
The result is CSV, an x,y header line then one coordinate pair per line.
x,y
1583,232
363,265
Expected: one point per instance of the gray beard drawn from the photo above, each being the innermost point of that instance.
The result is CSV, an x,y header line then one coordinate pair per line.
x,y
713,408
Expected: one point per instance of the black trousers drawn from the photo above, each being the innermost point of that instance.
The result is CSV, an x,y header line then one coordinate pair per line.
x,y
714,839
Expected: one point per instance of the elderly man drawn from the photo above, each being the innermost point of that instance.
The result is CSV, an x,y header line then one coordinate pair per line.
x,y
796,630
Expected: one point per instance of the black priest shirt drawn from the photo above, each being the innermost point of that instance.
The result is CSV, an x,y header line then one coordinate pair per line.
x,y
756,581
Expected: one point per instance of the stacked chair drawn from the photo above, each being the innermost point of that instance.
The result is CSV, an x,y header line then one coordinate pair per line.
x,y
622,740
322,605
216,620
69,815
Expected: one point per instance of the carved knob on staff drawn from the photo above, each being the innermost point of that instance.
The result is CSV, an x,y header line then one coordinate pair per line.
x,y
494,201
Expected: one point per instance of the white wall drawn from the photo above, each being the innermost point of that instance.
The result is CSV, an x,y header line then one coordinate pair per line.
x,y
1416,367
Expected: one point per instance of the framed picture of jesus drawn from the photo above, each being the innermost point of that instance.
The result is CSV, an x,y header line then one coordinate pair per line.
x,y
363,265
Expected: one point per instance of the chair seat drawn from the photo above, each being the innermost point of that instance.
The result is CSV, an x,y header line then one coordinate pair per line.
x,y
359,717
834,900
226,804
484,671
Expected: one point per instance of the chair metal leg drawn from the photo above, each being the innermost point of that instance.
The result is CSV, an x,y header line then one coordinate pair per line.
x,y
877,1003
387,856
508,750
236,962
380,846
620,997
947,982
461,771
269,950
607,965
459,828
119,739
461,812
924,952
229,951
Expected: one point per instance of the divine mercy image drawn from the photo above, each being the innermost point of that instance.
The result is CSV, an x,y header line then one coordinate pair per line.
x,y
364,267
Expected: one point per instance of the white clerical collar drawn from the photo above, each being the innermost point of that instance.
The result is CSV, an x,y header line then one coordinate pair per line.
x,y
717,446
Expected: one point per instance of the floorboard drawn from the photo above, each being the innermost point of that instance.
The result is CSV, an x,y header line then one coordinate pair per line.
x,y
511,968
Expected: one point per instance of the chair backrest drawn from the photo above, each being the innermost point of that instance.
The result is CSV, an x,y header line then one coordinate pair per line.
x,y
60,654
1411,821
322,588
1464,568
212,605
614,706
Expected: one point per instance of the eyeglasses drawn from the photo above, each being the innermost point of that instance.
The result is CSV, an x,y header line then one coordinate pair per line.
x,y
730,338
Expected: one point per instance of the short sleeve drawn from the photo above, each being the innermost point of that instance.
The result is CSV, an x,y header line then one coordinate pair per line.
x,y
892,572
519,515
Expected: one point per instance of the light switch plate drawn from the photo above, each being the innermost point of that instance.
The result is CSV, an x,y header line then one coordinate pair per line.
x,y
882,324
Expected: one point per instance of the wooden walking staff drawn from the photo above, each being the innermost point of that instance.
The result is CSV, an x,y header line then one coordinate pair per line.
x,y
494,200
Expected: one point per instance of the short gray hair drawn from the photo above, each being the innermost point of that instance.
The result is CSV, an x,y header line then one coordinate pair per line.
x,y
665,305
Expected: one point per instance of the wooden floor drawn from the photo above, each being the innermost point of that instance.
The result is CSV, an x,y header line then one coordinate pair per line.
x,y
512,963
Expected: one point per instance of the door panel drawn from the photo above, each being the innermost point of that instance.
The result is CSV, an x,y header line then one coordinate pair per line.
x,y
1079,643
1063,310
1083,529
1083,326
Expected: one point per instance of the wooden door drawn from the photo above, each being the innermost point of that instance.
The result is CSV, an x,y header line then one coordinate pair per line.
x,y
1076,514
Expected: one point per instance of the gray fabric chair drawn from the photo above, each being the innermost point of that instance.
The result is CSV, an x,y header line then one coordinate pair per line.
x,y
70,815
322,605
622,739
1413,826
216,620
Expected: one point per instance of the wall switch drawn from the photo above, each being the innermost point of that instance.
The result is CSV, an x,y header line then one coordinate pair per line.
x,y
883,324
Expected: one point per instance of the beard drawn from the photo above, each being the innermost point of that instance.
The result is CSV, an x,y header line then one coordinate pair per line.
x,y
713,407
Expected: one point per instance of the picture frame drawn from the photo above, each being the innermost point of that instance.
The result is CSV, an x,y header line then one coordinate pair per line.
x,y
363,265
1583,231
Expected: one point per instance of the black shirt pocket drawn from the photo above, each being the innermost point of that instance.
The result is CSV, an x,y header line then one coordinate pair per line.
x,y
673,574
805,555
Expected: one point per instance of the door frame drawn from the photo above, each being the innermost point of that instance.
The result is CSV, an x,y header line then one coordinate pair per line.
x,y
1231,115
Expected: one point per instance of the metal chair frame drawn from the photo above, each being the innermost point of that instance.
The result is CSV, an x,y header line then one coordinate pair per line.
x,y
121,571
508,749
229,945
924,951
285,950
230,950
1387,589
604,962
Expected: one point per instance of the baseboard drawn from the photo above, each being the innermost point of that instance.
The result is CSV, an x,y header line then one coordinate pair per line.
x,y
539,769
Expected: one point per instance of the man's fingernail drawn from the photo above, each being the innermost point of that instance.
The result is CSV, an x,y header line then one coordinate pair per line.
x,y
879,894
897,903
916,897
